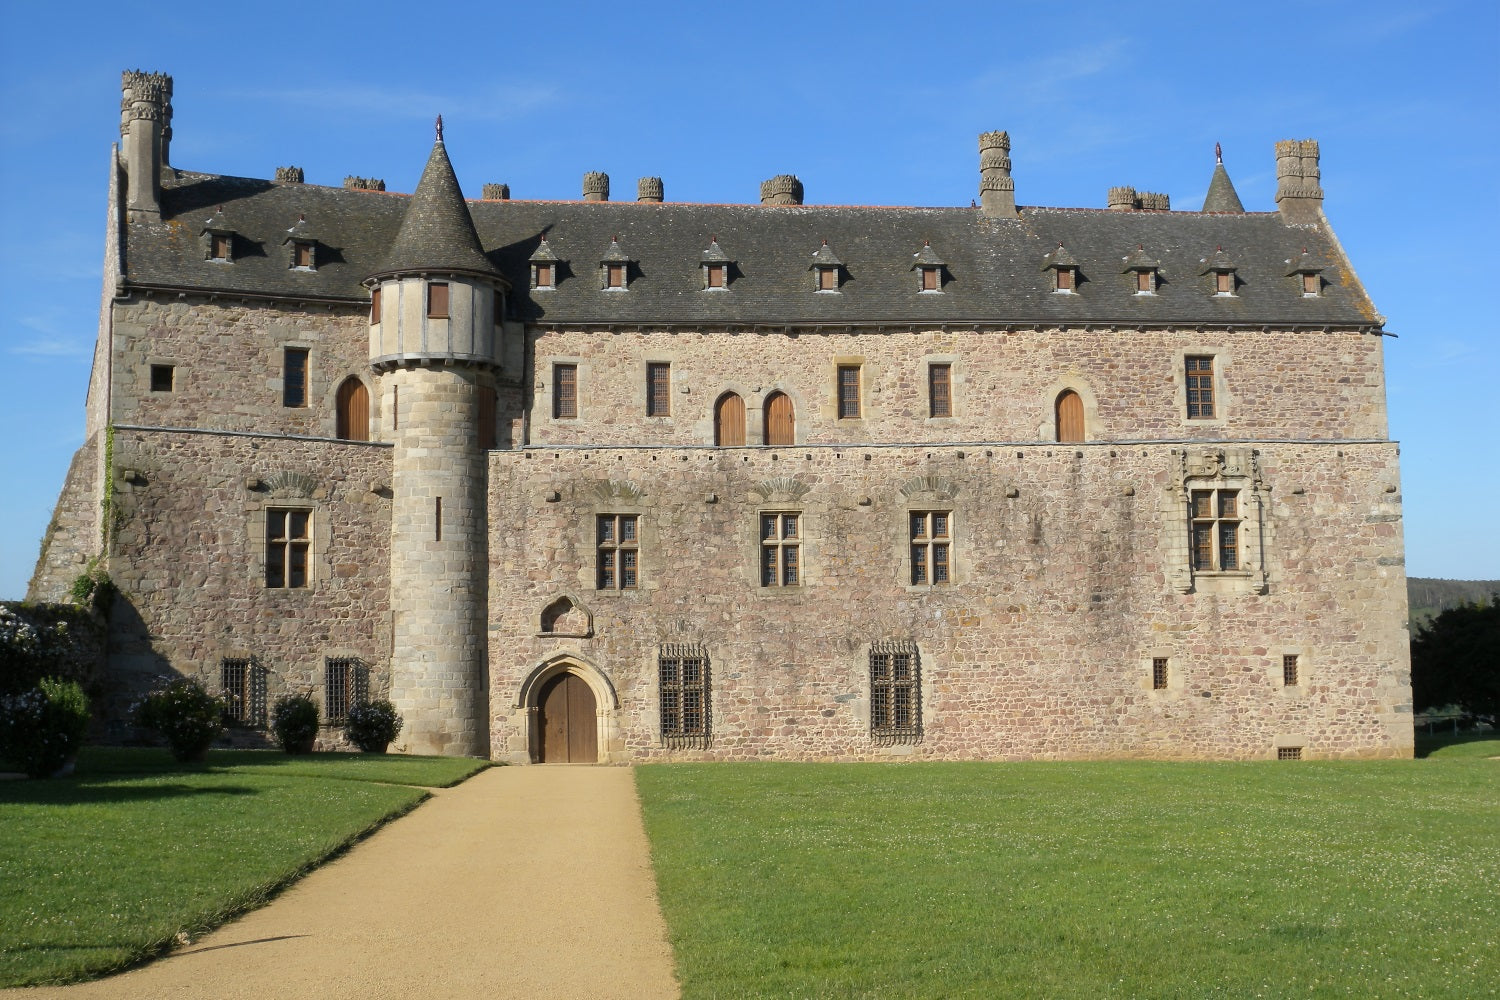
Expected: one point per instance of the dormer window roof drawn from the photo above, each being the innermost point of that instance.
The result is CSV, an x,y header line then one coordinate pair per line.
x,y
1145,268
304,246
929,267
218,238
715,264
1064,268
1223,268
544,264
614,267
1309,272
826,268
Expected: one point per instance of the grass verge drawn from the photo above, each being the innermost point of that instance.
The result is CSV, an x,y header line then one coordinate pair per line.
x,y
106,868
1123,879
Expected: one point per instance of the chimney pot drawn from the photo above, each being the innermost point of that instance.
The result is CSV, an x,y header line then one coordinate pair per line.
x,y
649,189
595,186
289,175
495,192
1299,191
1122,199
783,189
997,190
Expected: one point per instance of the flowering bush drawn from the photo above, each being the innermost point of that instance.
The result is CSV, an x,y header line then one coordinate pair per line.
x,y
42,728
47,640
185,714
373,725
294,722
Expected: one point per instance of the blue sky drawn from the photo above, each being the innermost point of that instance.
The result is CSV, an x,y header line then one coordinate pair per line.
x,y
869,103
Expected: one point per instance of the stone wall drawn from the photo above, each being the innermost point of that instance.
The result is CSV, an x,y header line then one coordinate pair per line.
x,y
189,559
1271,384
1066,584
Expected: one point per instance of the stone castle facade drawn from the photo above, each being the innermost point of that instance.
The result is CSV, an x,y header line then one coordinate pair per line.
x,y
625,481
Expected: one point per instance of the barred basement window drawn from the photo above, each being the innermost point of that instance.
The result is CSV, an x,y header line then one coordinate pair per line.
x,y
1159,675
1289,670
346,683
780,550
288,533
1215,527
940,390
1200,387
931,540
1288,753
294,376
243,682
895,692
618,552
564,392
683,677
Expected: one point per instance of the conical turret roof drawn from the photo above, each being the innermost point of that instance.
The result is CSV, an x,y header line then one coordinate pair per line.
x,y
1221,194
437,232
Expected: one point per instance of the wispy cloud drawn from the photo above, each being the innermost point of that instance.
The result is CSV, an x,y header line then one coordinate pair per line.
x,y
497,104
50,335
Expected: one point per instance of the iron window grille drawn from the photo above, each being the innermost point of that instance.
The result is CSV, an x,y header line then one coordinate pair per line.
x,y
683,675
940,390
1289,670
346,683
1288,753
243,682
658,389
1159,673
895,692
564,392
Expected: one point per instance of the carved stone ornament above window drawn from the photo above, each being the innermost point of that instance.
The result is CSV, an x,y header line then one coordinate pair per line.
x,y
620,490
783,489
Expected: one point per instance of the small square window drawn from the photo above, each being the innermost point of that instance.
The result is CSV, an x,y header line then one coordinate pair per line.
x,y
1224,282
1145,282
828,279
848,392
932,279
302,255
437,300
1159,674
614,276
1067,279
222,247
161,378
1311,284
718,275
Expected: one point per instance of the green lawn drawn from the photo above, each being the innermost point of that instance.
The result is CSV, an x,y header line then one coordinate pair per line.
x,y
105,868
1118,879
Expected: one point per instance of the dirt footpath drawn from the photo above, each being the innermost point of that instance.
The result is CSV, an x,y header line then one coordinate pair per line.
x,y
529,882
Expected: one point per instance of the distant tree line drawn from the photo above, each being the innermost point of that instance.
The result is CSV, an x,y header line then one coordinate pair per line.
x,y
1426,596
1455,661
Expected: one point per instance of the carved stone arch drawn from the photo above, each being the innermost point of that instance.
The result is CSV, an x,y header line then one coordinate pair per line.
x,y
565,669
933,487
759,414
563,663
782,489
289,485
1047,429
618,491
566,617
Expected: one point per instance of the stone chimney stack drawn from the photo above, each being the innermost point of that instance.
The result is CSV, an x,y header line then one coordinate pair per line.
x,y
145,110
997,191
495,192
1122,199
595,186
1299,192
783,189
649,189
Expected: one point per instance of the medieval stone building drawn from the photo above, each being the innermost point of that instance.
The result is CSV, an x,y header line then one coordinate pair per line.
x,y
622,481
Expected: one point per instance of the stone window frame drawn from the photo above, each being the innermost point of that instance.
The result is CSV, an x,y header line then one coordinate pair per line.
x,y
827,278
1213,467
617,546
298,248
153,369
956,379
220,248
544,402
286,490
930,543
862,391
647,365
722,269
1093,427
778,545
674,694
884,728
1223,401
537,284
243,682
1176,675
288,543
1305,670
558,403
285,350
929,495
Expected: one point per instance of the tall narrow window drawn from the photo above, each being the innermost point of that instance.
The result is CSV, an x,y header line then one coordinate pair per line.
x,y
353,410
1069,416
682,673
437,519
780,420
243,682
780,550
848,389
931,547
658,389
618,552
940,390
729,421
294,376
346,684
564,392
1159,673
437,300
1215,526
395,407
1200,387
895,692
1289,670
375,305
487,436
287,543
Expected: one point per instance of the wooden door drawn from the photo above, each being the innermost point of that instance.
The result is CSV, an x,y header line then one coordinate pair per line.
x,y
781,420
1069,416
729,421
569,733
353,406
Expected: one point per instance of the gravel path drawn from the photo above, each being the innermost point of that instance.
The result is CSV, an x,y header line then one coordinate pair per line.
x,y
530,882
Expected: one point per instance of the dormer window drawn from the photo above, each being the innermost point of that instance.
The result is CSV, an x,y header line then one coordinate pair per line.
x,y
1064,268
221,247
218,238
715,264
929,268
1308,272
614,269
826,268
543,267
302,246
1143,269
1311,285
302,256
1222,267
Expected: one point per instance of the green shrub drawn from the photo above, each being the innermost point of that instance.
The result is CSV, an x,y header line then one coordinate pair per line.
x,y
186,715
47,640
294,722
373,725
42,728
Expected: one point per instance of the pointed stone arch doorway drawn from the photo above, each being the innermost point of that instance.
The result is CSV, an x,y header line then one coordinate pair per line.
x,y
571,709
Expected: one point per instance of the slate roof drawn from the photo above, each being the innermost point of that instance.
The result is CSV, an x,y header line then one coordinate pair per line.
x,y
994,268
437,233
1221,196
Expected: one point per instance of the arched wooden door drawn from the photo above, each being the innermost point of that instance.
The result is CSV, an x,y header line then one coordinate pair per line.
x,y
781,419
1069,416
729,421
353,405
567,722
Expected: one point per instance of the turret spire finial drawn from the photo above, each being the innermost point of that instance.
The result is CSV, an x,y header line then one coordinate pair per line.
x,y
1218,153
439,128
